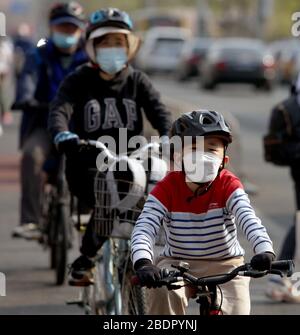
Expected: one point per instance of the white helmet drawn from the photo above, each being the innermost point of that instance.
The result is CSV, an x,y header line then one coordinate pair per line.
x,y
127,185
155,167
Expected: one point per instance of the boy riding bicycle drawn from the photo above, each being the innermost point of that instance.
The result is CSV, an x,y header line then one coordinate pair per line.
x,y
199,210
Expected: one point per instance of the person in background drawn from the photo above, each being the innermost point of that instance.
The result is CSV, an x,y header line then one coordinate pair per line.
x,y
55,58
280,289
98,99
24,50
6,65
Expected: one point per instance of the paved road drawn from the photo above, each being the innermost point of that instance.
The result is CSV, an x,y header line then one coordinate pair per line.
x,y
29,282
30,288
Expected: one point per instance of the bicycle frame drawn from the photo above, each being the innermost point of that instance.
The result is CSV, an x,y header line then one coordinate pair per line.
x,y
111,294
207,300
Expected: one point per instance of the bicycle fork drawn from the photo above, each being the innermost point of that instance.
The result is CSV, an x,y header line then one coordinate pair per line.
x,y
207,298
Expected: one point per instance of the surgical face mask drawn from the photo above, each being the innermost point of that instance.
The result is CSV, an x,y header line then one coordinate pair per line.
x,y
64,41
111,60
201,167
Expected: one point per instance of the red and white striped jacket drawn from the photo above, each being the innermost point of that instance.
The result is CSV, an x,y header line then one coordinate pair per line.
x,y
202,228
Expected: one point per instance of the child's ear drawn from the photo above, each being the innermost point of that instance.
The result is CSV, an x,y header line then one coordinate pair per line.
x,y
226,160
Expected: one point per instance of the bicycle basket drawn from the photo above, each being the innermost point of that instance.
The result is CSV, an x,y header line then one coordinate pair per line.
x,y
113,216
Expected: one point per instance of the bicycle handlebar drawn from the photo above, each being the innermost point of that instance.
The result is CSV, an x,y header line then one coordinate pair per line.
x,y
99,145
170,278
29,106
137,153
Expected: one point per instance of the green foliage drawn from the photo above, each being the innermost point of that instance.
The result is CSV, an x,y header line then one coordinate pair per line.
x,y
280,24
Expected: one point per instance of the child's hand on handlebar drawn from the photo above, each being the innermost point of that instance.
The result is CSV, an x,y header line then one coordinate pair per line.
x,y
67,142
262,261
147,273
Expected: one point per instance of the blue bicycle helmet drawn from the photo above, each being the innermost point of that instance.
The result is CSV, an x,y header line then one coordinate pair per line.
x,y
107,21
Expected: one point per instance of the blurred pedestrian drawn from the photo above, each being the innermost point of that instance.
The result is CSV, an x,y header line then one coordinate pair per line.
x,y
285,121
24,50
6,54
55,58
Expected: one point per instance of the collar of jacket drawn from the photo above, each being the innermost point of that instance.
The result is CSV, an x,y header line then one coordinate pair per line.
x,y
118,79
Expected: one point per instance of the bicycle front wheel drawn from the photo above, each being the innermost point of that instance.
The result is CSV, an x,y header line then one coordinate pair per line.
x,y
60,244
134,297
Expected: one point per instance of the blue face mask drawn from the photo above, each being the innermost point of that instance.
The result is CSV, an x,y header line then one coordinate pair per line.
x,y
64,41
111,60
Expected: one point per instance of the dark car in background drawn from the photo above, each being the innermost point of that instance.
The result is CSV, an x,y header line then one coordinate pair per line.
x,y
193,53
238,60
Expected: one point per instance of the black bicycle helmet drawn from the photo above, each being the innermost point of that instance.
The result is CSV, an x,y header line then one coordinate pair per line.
x,y
110,20
202,123
71,12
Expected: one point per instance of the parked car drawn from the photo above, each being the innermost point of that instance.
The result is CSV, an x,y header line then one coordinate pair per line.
x,y
161,49
238,60
193,53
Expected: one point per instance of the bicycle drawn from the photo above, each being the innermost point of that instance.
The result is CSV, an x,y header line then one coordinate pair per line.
x,y
55,224
205,288
112,292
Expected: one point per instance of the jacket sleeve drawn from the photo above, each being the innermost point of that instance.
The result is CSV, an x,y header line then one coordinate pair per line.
x,y
156,112
146,230
61,108
149,222
239,205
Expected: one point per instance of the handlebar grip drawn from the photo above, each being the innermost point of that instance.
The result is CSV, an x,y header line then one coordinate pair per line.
x,y
284,265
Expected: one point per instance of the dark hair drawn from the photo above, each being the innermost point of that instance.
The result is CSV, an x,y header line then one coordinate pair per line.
x,y
101,38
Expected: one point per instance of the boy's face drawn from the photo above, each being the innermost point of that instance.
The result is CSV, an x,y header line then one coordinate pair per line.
x,y
212,145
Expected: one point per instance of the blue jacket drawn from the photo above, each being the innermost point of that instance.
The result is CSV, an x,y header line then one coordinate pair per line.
x,y
46,69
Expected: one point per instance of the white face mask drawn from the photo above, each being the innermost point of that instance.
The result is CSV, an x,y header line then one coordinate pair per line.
x,y
201,167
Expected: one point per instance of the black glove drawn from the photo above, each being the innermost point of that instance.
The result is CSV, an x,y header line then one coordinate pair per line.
x,y
69,147
262,261
147,273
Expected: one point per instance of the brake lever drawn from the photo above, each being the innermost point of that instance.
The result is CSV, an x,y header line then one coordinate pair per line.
x,y
170,280
171,283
